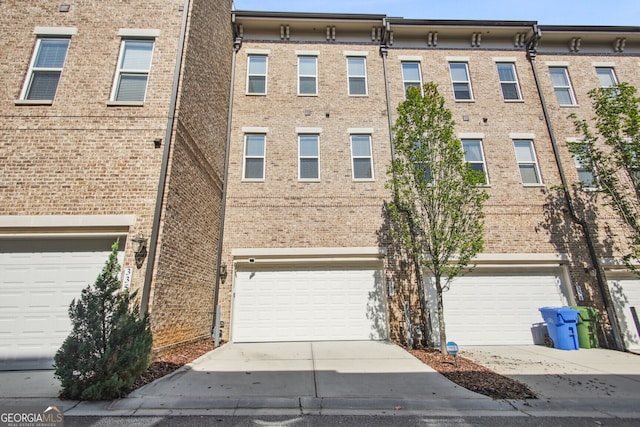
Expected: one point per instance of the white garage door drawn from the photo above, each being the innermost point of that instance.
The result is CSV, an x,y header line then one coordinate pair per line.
x,y
309,305
500,309
38,281
626,300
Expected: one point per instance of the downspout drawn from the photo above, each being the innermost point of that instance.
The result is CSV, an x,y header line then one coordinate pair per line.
x,y
384,50
531,55
153,243
215,327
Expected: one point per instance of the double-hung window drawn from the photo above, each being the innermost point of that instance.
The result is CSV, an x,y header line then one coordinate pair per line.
x,y
254,157
562,85
474,157
411,75
257,75
132,73
361,157
45,69
527,163
607,76
461,81
509,81
357,75
584,175
309,157
307,75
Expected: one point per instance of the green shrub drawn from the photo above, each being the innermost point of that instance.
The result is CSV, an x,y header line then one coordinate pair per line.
x,y
109,345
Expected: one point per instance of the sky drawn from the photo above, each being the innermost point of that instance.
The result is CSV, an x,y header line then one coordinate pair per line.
x,y
546,12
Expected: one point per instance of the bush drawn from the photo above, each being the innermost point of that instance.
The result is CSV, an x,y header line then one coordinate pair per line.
x,y
109,345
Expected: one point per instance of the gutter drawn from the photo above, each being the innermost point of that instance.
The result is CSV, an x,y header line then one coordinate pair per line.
x,y
215,327
531,55
153,240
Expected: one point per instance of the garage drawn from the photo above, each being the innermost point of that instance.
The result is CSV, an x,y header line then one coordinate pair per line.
x,y
309,304
625,294
500,307
39,277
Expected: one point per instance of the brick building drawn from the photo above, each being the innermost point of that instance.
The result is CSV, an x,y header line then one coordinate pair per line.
x,y
314,98
114,118
119,129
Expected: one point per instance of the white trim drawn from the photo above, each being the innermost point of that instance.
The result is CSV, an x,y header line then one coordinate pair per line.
x,y
604,64
574,140
138,32
410,58
522,258
353,131
471,135
556,63
253,256
504,59
307,53
55,221
255,129
355,53
457,58
55,31
258,51
522,136
308,130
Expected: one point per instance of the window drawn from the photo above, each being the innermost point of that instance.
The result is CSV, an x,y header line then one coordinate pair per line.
x,y
585,176
411,76
527,163
607,76
132,73
460,80
474,157
562,85
509,81
361,157
357,71
421,169
309,157
257,75
307,75
254,155
45,69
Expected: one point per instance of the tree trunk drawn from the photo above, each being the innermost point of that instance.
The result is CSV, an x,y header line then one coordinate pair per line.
x,y
443,334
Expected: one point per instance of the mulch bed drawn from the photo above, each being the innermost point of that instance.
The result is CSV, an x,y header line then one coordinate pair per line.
x,y
472,376
466,374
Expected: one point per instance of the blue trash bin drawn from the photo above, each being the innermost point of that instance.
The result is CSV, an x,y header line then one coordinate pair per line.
x,y
562,325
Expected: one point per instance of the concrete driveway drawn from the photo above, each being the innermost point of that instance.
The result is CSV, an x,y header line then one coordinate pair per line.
x,y
591,378
313,375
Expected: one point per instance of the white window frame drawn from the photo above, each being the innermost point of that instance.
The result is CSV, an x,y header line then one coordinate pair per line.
x,y
528,162
514,82
250,75
568,87
354,157
121,71
314,76
357,76
33,69
581,169
245,157
482,160
467,81
612,73
301,157
411,83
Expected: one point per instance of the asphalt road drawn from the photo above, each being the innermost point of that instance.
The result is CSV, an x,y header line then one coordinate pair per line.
x,y
346,420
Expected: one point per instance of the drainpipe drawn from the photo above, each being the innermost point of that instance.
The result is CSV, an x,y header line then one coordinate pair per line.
x,y
153,243
384,50
215,327
531,55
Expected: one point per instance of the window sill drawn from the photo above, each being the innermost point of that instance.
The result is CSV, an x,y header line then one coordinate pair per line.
x,y
125,104
534,185
465,100
252,180
308,180
364,180
255,94
359,96
514,101
33,102
308,94
569,105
